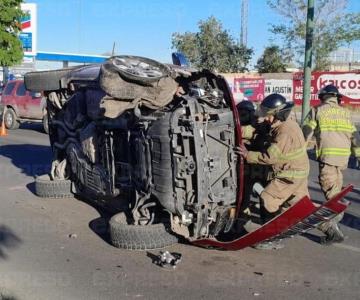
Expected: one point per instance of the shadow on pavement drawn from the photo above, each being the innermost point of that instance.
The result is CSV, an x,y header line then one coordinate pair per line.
x,y
33,160
8,240
356,191
317,195
36,126
312,237
100,226
351,221
31,187
6,296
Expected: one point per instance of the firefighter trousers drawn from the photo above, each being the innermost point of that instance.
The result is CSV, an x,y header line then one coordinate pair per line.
x,y
331,182
281,190
330,179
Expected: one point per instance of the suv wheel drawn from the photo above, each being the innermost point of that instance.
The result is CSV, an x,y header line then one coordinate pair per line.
x,y
10,119
137,237
47,188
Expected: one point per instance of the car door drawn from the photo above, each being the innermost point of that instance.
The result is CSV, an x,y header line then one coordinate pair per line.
x,y
34,105
7,97
31,102
20,100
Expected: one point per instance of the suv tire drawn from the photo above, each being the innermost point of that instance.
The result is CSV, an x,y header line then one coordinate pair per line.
x,y
10,119
47,188
137,69
137,237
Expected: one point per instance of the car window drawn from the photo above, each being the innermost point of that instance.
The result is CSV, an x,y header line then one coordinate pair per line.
x,y
21,91
9,88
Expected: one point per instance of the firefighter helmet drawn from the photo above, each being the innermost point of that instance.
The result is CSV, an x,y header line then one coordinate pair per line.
x,y
329,89
276,105
246,111
246,105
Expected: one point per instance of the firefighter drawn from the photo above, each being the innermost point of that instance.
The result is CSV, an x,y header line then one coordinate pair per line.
x,y
254,132
255,137
246,110
286,155
336,136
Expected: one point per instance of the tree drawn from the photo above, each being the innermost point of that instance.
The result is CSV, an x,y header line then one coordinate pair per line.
x,y
333,28
271,61
11,51
212,48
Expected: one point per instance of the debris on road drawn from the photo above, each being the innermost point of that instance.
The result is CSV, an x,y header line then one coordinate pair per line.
x,y
167,259
307,283
72,235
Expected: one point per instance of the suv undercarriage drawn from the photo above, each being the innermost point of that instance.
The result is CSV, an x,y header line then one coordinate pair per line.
x,y
170,163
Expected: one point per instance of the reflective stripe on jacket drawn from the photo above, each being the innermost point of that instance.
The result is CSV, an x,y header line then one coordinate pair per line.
x,y
334,132
247,132
287,152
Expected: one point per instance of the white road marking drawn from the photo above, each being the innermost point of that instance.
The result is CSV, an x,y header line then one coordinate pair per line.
x,y
347,247
17,188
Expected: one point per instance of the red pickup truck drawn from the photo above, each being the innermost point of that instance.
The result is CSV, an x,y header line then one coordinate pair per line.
x,y
22,105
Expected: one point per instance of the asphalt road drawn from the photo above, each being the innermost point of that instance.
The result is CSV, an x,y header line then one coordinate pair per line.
x,y
38,259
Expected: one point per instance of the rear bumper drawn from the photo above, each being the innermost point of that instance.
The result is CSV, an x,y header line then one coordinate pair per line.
x,y
300,218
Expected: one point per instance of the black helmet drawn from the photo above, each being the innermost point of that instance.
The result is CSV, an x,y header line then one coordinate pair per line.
x,y
329,89
276,105
246,105
246,111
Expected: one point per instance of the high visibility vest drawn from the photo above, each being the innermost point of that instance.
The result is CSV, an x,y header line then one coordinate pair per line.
x,y
287,152
333,130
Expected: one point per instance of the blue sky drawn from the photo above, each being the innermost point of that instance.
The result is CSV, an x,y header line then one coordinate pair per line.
x,y
144,27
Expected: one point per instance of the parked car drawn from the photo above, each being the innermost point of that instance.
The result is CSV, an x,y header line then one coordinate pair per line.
x,y
156,143
22,105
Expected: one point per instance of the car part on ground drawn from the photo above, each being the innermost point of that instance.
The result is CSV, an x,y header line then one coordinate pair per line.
x,y
47,188
298,219
168,259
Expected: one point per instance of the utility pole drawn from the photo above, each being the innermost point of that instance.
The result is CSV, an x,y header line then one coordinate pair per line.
x,y
113,50
307,62
5,74
244,21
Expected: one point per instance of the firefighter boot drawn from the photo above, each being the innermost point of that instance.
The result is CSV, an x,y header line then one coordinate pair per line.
x,y
332,235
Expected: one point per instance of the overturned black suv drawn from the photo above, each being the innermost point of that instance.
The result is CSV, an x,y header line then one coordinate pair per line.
x,y
156,143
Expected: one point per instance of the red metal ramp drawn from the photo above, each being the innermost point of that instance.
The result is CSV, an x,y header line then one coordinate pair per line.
x,y
300,218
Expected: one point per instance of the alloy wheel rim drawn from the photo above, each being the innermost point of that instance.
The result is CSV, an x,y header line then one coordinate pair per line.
x,y
9,119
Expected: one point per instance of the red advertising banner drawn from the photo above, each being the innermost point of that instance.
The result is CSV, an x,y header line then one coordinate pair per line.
x,y
348,84
250,88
